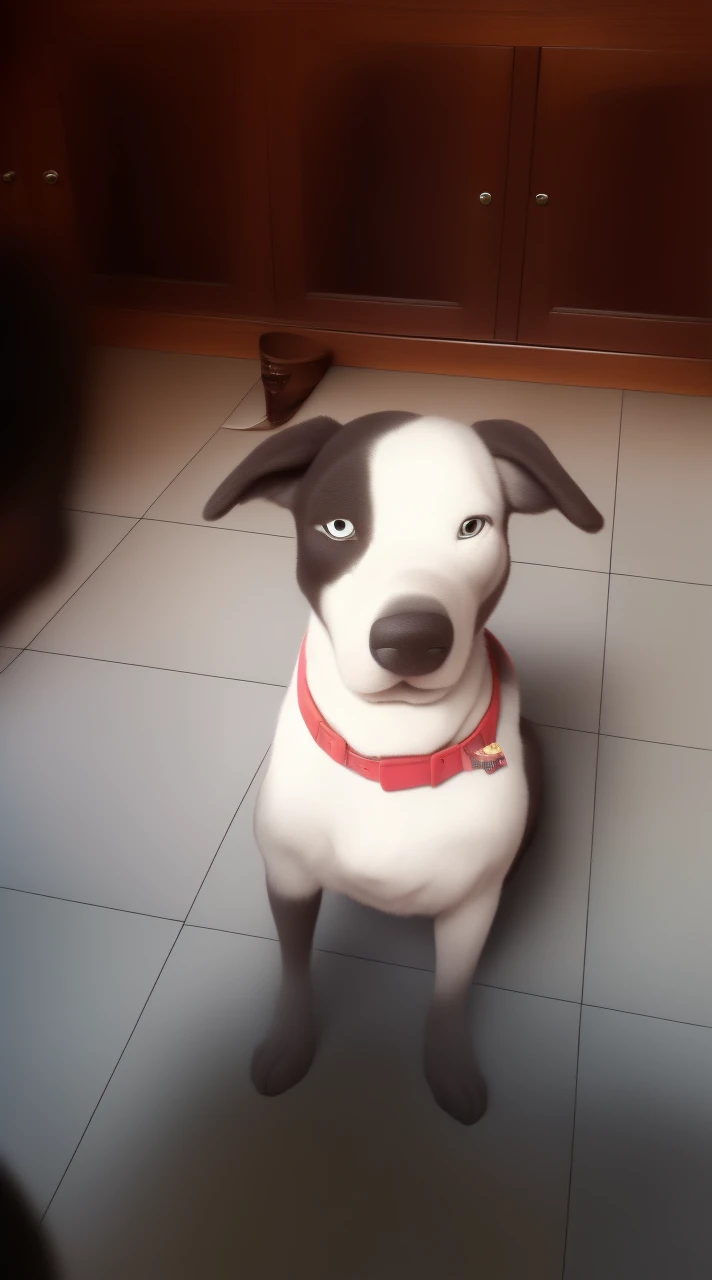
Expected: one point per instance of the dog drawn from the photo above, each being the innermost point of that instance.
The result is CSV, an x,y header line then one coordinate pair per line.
x,y
401,773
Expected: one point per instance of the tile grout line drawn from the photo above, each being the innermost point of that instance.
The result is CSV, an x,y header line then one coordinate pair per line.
x,y
290,537
226,832
113,1073
393,964
273,684
134,520
204,445
590,864
96,906
649,577
490,986
653,742
220,528
147,666
182,926
637,1013
330,951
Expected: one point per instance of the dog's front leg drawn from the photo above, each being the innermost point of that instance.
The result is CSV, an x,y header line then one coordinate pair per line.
x,y
450,1065
287,1052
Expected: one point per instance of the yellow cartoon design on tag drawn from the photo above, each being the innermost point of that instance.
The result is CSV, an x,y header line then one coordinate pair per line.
x,y
488,758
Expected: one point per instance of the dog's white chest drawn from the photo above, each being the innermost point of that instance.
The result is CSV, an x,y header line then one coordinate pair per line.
x,y
408,852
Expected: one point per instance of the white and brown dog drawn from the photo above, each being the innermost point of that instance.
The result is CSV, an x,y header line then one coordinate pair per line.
x,y
401,773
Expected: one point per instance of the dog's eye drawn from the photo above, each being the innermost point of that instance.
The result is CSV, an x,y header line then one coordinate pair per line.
x,y
338,529
471,527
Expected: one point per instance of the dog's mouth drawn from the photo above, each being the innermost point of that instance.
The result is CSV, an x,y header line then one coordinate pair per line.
x,y
404,691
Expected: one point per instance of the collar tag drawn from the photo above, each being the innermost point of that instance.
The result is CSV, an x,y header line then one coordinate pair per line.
x,y
489,758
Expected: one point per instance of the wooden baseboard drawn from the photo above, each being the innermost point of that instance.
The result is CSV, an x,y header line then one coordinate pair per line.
x,y
225,336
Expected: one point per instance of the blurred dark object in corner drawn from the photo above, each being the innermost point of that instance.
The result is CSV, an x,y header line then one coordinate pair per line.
x,y
24,1254
40,418
40,370
40,414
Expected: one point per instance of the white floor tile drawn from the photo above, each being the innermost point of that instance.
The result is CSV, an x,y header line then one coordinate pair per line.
x,y
663,516
186,1171
94,537
580,424
642,1168
117,783
658,681
537,942
649,946
233,895
73,980
148,413
552,622
7,656
205,600
185,498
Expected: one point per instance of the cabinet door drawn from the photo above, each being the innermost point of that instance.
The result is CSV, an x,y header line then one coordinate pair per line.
x,y
164,125
16,173
620,258
382,138
14,176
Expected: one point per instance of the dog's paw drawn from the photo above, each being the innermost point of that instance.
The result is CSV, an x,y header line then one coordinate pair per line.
x,y
283,1058
455,1080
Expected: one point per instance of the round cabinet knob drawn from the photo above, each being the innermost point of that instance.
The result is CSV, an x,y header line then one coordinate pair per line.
x,y
542,198
486,197
51,177
9,176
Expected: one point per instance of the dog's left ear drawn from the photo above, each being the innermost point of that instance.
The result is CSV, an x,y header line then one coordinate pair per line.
x,y
534,480
274,469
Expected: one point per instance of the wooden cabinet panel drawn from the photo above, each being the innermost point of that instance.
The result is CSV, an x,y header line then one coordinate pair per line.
x,y
34,212
14,198
17,56
165,135
620,258
380,146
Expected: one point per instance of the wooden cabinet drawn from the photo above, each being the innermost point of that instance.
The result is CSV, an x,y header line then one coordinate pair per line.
x,y
15,216
388,155
167,157
374,170
620,258
36,206
15,165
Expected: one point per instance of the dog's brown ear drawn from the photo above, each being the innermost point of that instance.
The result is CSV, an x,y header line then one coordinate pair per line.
x,y
532,478
273,470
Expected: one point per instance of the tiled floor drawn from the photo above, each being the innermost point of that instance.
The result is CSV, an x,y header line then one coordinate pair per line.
x,y
137,698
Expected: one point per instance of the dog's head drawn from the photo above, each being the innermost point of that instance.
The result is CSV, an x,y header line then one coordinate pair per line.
x,y
402,534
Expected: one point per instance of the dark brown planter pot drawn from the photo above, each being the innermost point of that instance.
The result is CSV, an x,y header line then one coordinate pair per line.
x,y
292,366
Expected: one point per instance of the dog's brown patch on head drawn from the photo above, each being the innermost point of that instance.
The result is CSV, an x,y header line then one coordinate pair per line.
x,y
319,471
337,486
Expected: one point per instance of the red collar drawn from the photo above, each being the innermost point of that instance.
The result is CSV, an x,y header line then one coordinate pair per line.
x,y
398,773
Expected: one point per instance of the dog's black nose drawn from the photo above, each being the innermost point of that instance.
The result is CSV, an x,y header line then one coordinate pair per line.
x,y
412,643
